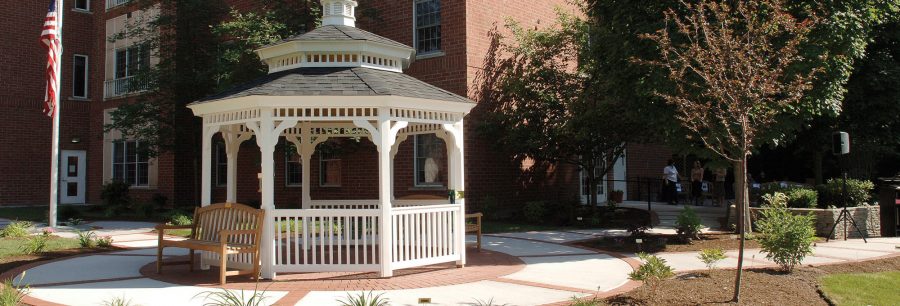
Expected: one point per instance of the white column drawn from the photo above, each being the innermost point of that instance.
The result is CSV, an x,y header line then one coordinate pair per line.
x,y
306,150
233,139
267,135
385,245
206,165
457,182
384,135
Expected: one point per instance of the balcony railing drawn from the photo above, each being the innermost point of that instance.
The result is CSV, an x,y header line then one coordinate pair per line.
x,y
123,86
114,3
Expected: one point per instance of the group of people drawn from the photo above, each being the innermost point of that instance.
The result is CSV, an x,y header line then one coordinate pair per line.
x,y
672,180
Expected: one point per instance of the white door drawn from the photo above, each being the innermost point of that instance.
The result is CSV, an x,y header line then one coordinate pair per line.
x,y
585,189
72,182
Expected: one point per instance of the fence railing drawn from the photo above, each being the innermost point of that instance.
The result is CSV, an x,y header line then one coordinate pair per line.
x,y
424,235
326,240
123,86
371,204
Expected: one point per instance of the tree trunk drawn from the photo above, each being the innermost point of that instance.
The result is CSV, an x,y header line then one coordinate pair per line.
x,y
817,167
741,204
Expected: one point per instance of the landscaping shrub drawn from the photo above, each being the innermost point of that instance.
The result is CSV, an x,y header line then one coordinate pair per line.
x,y
365,299
637,230
146,210
225,297
592,301
688,225
16,229
86,239
710,257
802,198
785,237
534,212
180,219
117,301
115,194
12,295
858,192
105,242
651,271
160,200
36,244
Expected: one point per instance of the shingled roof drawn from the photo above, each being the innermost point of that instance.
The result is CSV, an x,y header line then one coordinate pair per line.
x,y
337,81
341,32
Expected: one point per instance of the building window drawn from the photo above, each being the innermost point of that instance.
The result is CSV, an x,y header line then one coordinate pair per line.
x,y
131,60
429,152
427,26
83,5
329,170
129,165
80,76
221,165
292,168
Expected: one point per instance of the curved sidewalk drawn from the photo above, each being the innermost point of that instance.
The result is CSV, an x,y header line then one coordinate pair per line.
x,y
551,272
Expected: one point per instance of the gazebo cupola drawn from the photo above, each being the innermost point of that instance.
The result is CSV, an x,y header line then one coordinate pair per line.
x,y
341,81
337,43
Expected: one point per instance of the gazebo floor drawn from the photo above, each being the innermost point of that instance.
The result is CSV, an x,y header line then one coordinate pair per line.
x,y
483,265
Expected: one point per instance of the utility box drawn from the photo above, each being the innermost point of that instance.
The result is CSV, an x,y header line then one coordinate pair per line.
x,y
889,202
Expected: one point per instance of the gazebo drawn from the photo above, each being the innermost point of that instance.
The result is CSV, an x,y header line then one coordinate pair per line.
x,y
340,81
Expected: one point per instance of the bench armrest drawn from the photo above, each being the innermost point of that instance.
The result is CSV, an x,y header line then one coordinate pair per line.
x,y
475,215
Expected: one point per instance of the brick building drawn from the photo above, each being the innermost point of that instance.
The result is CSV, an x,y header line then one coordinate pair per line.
x,y
452,39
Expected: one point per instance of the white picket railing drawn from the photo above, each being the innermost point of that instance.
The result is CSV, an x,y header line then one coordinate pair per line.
x,y
326,240
425,235
370,204
347,240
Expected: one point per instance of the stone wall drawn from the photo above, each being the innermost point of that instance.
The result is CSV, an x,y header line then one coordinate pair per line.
x,y
866,218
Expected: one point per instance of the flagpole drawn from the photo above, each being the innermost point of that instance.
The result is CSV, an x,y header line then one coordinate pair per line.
x,y
54,135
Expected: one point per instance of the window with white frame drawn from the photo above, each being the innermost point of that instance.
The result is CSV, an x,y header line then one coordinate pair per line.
x,y
427,26
129,164
130,60
292,168
429,154
329,169
221,165
82,5
80,76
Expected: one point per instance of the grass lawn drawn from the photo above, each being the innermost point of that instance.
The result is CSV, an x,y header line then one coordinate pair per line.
x,y
863,289
12,246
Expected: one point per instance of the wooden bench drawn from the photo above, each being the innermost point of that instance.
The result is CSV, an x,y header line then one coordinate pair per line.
x,y
475,227
225,229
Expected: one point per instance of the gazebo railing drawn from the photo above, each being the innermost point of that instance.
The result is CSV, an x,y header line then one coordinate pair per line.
x,y
347,240
371,204
425,235
326,240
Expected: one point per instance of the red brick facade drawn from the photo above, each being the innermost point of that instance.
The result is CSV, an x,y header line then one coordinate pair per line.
x,y
466,28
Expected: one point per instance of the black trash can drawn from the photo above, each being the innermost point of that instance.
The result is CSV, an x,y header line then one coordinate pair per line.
x,y
889,202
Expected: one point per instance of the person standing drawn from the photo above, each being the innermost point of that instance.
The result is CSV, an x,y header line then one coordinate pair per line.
x,y
670,178
719,189
697,184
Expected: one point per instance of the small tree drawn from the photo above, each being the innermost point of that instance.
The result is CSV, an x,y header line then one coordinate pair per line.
x,y
549,101
688,225
735,72
710,257
785,237
652,271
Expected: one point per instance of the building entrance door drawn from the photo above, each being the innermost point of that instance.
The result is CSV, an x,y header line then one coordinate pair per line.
x,y
72,182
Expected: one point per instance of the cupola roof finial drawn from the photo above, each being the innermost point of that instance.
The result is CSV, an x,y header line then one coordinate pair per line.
x,y
338,12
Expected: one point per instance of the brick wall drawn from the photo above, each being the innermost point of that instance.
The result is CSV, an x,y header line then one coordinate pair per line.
x,y
25,141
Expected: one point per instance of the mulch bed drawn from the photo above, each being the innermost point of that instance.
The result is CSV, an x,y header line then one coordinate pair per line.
x,y
652,243
760,286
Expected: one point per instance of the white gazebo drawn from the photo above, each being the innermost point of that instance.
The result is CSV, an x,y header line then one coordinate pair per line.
x,y
340,81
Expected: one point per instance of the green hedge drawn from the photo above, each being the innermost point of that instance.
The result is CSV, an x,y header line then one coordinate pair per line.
x,y
858,192
797,196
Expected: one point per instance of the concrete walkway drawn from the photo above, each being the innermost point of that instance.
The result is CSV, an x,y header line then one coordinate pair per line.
x,y
554,272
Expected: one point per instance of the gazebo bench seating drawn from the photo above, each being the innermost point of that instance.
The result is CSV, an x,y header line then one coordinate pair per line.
x,y
475,227
225,229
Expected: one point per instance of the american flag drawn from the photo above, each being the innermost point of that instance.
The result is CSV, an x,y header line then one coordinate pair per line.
x,y
50,39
